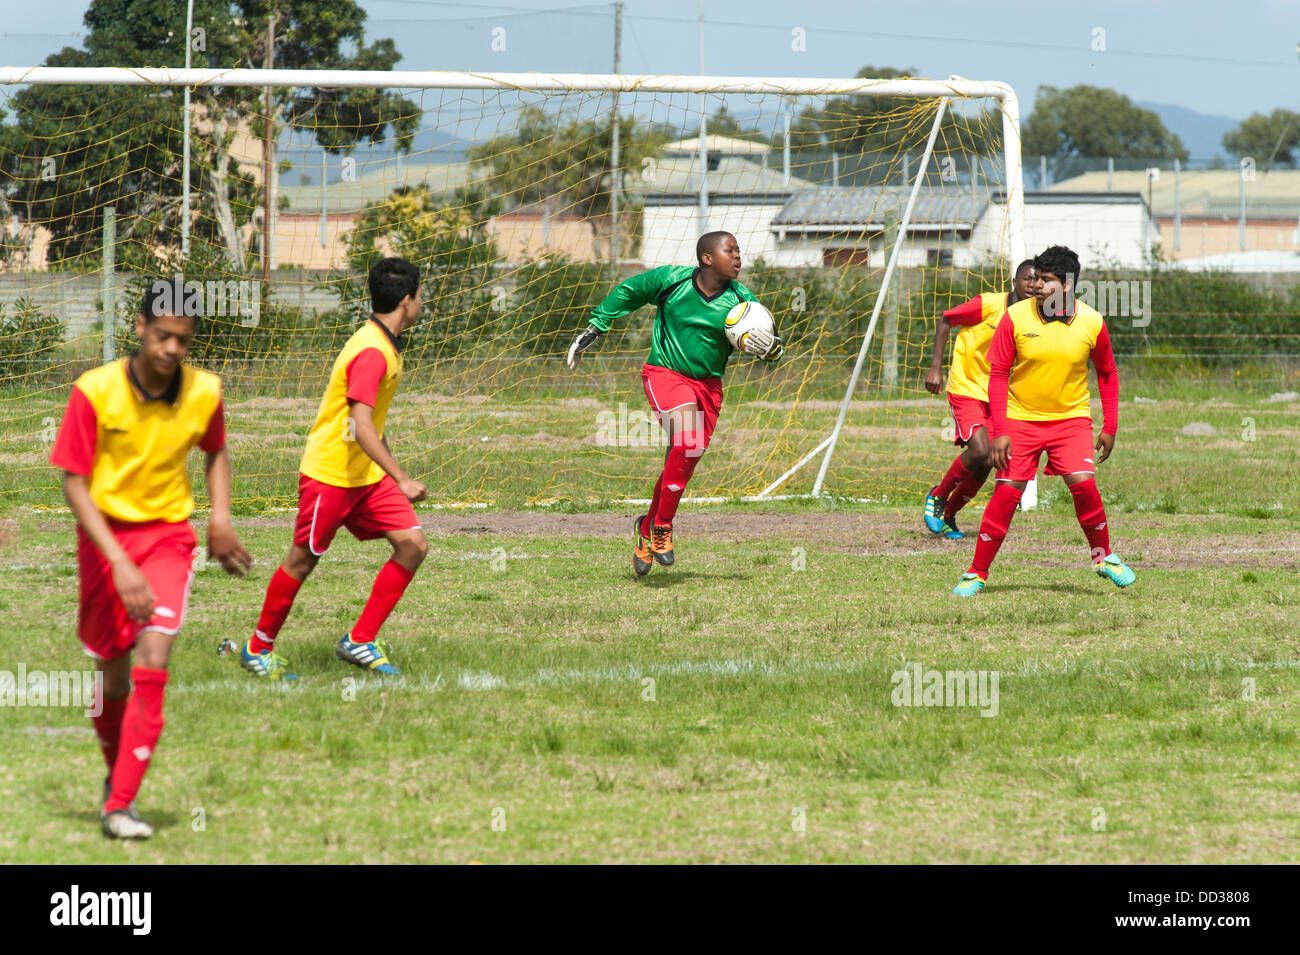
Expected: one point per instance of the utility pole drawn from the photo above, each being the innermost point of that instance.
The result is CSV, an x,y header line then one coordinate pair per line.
x,y
185,161
266,162
615,159
704,149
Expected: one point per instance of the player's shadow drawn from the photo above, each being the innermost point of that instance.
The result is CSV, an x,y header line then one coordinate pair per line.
x,y
157,818
675,577
1049,588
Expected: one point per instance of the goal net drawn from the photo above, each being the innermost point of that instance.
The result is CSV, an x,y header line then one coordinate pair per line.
x,y
863,209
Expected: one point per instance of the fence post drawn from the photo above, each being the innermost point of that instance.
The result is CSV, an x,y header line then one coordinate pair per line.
x,y
106,282
889,351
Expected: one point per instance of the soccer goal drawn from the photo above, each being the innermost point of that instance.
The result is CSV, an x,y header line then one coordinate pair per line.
x,y
863,209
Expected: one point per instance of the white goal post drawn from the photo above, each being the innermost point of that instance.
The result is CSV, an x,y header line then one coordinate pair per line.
x,y
942,90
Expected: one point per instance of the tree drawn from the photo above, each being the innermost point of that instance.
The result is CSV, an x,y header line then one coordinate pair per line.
x,y
1271,140
122,146
566,165
1090,121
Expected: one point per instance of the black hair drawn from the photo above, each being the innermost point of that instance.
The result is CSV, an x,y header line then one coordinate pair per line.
x,y
708,243
391,280
1021,267
1059,261
173,296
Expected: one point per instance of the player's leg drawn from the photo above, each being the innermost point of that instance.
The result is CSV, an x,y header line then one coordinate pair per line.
x,y
1026,450
975,465
165,555
113,692
969,417
1091,512
383,511
686,440
321,510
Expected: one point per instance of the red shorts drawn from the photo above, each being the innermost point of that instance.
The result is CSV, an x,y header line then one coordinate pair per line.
x,y
1068,443
668,390
969,414
166,555
368,512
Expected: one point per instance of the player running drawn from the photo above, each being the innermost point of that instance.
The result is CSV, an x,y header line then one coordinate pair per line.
x,y
1038,401
683,374
122,446
968,396
350,479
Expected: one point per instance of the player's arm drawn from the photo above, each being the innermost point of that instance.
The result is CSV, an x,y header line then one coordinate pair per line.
x,y
1103,360
627,296
967,313
1002,355
74,453
367,435
223,543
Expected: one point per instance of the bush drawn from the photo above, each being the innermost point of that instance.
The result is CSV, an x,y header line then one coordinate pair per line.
x,y
29,339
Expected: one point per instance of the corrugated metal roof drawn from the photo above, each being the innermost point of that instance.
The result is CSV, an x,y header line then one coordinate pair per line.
x,y
1275,193
375,186
679,175
867,208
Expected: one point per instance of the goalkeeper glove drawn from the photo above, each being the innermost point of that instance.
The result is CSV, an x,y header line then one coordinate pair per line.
x,y
581,344
763,344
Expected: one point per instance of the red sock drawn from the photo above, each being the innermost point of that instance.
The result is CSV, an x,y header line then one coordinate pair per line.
x,y
1092,517
141,727
957,473
682,458
280,593
108,727
390,584
997,518
963,494
655,498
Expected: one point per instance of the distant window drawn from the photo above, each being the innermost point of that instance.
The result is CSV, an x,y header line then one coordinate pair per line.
x,y
938,257
849,256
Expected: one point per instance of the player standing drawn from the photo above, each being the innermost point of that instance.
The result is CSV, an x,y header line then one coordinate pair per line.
x,y
122,446
968,396
349,478
682,376
1038,400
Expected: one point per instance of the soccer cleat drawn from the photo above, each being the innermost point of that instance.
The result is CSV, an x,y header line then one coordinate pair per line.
x,y
369,656
661,543
125,824
1118,572
934,507
268,663
642,559
950,530
969,585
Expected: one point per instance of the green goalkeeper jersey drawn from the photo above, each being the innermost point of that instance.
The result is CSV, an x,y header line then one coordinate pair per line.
x,y
689,331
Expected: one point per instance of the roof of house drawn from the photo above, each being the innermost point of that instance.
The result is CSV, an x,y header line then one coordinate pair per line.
x,y
718,146
679,176
843,207
1257,261
1272,193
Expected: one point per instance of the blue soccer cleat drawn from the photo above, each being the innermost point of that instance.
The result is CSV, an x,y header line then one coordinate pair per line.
x,y
969,585
267,664
950,530
371,656
1118,572
934,506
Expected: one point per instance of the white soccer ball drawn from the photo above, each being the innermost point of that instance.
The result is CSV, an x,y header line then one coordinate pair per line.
x,y
745,318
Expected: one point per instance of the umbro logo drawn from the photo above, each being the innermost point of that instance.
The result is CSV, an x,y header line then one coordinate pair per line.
x,y
116,430
985,537
142,753
1030,335
1101,526
674,488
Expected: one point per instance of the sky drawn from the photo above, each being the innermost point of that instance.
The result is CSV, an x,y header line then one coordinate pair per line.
x,y
1228,59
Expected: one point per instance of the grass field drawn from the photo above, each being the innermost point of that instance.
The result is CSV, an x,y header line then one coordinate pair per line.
x,y
735,708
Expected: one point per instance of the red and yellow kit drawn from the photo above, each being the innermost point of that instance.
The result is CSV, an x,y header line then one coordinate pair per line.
x,y
340,486
132,447
368,369
1038,387
976,321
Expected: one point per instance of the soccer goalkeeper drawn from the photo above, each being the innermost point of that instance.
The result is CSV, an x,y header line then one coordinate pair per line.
x,y
683,374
